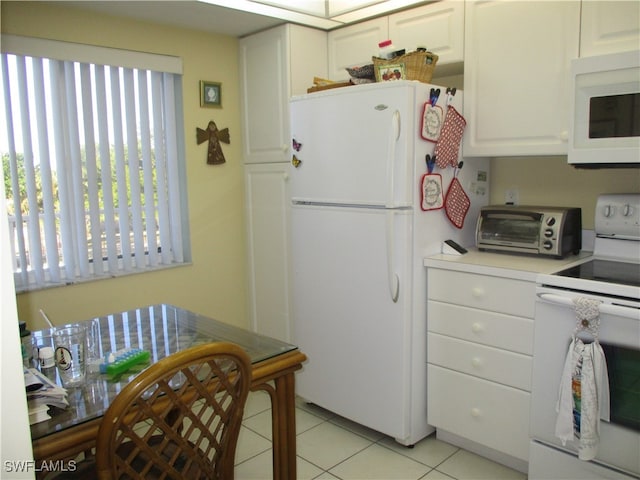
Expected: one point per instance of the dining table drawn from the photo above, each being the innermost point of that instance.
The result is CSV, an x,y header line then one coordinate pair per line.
x,y
162,330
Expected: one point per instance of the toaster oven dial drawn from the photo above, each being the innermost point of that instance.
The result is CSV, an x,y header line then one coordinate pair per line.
x,y
548,232
548,244
551,221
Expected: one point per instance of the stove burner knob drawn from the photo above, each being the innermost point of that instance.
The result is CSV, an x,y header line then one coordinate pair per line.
x,y
548,232
609,211
548,244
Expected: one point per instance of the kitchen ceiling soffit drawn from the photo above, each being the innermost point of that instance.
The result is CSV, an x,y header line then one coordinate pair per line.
x,y
322,14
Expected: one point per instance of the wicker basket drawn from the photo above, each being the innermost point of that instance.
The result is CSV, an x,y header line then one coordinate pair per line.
x,y
411,66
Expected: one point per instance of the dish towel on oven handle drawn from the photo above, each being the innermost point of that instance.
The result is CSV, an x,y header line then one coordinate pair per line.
x,y
583,398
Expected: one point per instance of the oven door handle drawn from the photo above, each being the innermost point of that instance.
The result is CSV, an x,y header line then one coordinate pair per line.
x,y
605,308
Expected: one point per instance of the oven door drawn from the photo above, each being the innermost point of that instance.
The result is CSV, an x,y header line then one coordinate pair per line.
x,y
619,335
508,230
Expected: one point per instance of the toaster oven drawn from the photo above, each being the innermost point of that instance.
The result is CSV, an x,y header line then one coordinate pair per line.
x,y
538,230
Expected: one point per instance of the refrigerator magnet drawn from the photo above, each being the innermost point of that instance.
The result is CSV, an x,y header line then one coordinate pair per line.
x,y
431,192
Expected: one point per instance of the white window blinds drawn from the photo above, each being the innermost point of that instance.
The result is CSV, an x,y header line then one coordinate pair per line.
x,y
93,167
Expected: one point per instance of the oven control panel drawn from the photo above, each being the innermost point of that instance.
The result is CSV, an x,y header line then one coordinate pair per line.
x,y
618,216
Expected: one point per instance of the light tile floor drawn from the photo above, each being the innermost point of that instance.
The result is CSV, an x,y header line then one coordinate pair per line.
x,y
331,447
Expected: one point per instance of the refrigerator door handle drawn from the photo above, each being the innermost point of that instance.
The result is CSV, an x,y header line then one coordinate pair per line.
x,y
394,136
394,280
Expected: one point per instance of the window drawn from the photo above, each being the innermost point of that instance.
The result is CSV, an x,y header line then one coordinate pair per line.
x,y
92,155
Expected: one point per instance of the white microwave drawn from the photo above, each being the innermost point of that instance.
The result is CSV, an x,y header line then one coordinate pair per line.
x,y
605,123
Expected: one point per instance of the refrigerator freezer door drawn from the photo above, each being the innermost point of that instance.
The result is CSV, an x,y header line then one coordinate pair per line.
x,y
356,337
354,147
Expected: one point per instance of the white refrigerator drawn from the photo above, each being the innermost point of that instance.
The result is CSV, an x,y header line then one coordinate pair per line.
x,y
359,237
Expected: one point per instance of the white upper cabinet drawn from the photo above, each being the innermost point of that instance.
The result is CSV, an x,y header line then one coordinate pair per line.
x,y
338,7
274,65
516,76
320,8
355,45
264,93
439,27
310,7
609,27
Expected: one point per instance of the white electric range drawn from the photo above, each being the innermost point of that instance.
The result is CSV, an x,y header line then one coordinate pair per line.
x,y
612,277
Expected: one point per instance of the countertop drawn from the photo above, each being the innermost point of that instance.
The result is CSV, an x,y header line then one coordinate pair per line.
x,y
520,266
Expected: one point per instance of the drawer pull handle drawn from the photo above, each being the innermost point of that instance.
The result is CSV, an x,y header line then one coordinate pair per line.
x,y
477,327
476,362
475,412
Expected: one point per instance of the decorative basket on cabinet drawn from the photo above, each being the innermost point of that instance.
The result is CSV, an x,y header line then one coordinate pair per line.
x,y
411,66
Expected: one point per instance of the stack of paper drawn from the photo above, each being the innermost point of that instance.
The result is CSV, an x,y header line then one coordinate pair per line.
x,y
41,394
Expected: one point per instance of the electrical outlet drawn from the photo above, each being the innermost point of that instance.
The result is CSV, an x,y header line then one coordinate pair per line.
x,y
512,197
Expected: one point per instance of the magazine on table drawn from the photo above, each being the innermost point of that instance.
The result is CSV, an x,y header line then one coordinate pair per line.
x,y
42,393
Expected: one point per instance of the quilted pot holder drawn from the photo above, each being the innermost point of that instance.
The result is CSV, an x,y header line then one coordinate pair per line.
x,y
448,146
431,196
456,203
432,117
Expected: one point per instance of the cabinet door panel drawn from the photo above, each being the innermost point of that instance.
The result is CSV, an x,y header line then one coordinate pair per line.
x,y
503,295
438,26
355,45
507,368
609,27
267,197
264,96
516,81
482,411
498,330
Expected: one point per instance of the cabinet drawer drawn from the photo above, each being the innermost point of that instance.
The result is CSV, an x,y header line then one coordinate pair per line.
x,y
481,326
508,368
504,295
484,412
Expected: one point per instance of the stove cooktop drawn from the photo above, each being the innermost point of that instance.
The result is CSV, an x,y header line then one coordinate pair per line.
x,y
597,276
614,270
608,271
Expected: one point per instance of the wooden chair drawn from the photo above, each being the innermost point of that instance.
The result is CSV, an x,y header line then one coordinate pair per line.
x,y
178,419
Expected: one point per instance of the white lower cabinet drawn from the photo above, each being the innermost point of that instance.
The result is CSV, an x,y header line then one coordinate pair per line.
x,y
494,364
267,213
479,354
485,412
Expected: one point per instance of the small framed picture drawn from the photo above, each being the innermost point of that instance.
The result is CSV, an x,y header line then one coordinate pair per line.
x,y
210,94
390,72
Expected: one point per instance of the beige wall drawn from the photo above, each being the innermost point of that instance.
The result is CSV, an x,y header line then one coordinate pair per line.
x,y
215,284
551,181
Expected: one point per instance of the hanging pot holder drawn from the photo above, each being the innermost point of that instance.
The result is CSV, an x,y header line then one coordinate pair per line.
x,y
432,117
431,188
456,203
448,145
